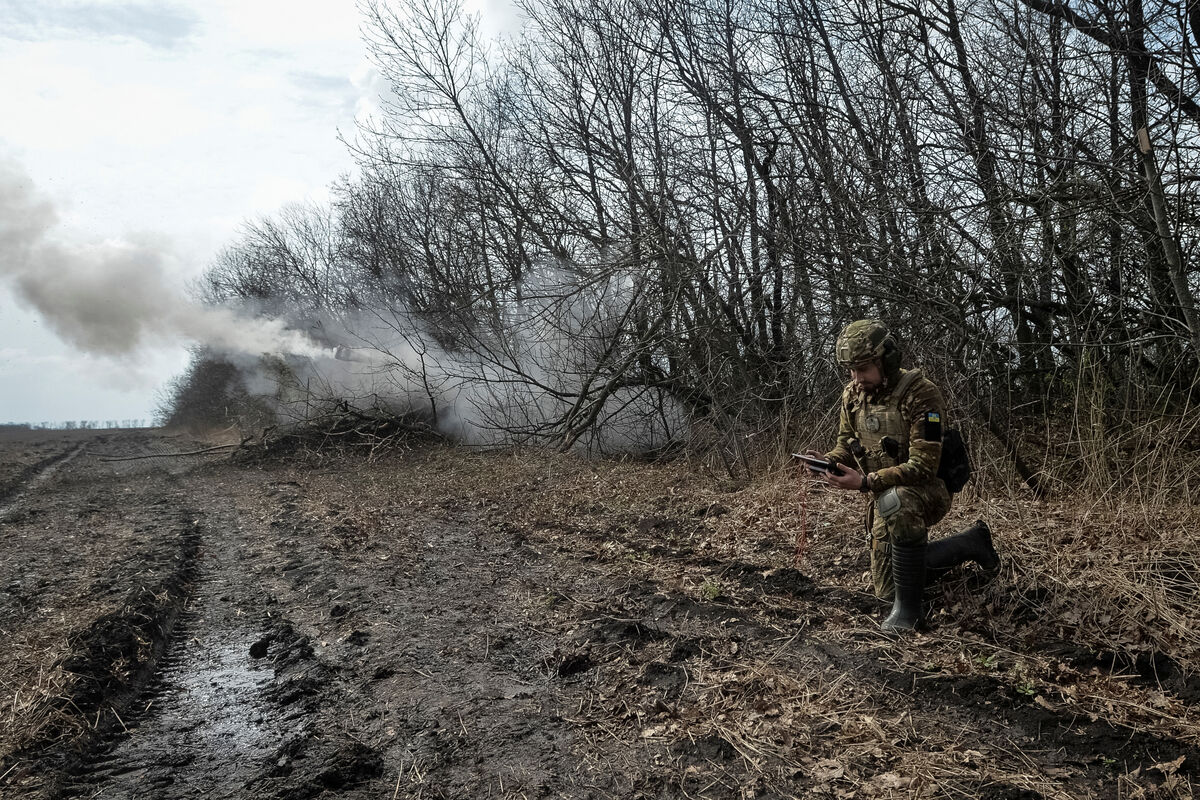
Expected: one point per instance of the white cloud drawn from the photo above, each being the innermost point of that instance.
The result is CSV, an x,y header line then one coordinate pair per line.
x,y
125,134
286,24
157,24
14,359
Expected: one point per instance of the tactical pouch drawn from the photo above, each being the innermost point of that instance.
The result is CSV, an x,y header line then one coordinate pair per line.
x,y
888,503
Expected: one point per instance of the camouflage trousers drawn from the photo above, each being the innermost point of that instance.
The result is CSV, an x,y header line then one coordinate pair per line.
x,y
907,524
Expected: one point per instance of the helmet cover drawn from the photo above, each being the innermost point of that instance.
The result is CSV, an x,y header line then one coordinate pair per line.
x,y
862,341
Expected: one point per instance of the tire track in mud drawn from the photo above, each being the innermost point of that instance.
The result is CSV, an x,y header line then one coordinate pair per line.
x,y
204,712
430,676
223,711
237,707
112,662
314,569
163,693
197,685
33,476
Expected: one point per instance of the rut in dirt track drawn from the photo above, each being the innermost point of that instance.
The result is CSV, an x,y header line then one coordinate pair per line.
x,y
204,709
112,660
29,478
143,554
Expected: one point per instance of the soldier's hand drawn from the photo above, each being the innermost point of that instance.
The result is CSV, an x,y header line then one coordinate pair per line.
x,y
850,479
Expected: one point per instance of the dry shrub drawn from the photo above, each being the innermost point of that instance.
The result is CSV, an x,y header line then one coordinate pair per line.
x,y
345,430
1151,460
1121,580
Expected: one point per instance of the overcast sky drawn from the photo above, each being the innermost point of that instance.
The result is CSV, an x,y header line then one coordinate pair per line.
x,y
171,122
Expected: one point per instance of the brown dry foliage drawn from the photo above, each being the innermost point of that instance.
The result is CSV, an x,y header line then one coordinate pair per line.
x,y
1094,578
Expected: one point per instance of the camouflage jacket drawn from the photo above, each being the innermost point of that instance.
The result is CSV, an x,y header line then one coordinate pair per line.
x,y
910,412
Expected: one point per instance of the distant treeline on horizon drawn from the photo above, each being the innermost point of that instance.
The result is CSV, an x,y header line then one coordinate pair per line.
x,y
70,425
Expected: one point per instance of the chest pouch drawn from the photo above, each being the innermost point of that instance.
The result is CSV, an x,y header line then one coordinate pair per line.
x,y
878,423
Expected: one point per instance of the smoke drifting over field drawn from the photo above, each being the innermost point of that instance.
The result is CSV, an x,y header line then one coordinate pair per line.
x,y
115,297
538,379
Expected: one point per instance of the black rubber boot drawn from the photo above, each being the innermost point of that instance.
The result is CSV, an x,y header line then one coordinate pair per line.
x,y
908,573
973,544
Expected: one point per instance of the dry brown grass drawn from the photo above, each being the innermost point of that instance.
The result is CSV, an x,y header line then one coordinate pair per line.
x,y
36,689
1114,579
1122,577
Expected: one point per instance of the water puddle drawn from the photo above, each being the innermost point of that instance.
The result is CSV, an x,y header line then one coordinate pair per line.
x,y
219,693
205,729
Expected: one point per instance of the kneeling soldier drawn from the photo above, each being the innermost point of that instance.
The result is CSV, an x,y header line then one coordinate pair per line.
x,y
889,445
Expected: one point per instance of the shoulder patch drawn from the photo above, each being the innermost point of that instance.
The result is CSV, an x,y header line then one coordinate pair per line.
x,y
933,426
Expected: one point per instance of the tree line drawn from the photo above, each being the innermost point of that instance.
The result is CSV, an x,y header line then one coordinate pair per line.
x,y
72,425
1011,185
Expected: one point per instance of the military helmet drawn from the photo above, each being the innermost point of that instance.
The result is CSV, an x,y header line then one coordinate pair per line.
x,y
862,341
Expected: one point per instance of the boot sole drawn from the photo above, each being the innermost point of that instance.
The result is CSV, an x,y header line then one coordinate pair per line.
x,y
993,563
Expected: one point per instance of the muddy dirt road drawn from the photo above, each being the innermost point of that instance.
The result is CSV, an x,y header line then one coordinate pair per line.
x,y
447,624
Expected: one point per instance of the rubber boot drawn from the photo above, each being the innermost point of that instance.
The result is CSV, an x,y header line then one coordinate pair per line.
x,y
973,544
908,573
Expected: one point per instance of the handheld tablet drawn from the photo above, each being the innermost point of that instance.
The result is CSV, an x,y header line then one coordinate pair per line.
x,y
817,464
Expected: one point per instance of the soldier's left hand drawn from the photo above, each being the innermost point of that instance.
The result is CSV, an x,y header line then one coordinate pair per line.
x,y
850,479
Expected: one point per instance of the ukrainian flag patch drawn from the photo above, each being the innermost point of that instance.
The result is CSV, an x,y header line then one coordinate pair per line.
x,y
933,426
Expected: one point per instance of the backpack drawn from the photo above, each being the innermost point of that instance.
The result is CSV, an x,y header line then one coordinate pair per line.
x,y
955,465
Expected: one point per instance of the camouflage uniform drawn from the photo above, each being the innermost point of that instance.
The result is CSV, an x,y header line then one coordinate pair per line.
x,y
907,496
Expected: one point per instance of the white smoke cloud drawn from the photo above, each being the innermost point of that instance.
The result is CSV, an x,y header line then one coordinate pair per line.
x,y
544,373
518,385
114,298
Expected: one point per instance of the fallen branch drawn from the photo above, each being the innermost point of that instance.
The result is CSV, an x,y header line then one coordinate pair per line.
x,y
162,455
